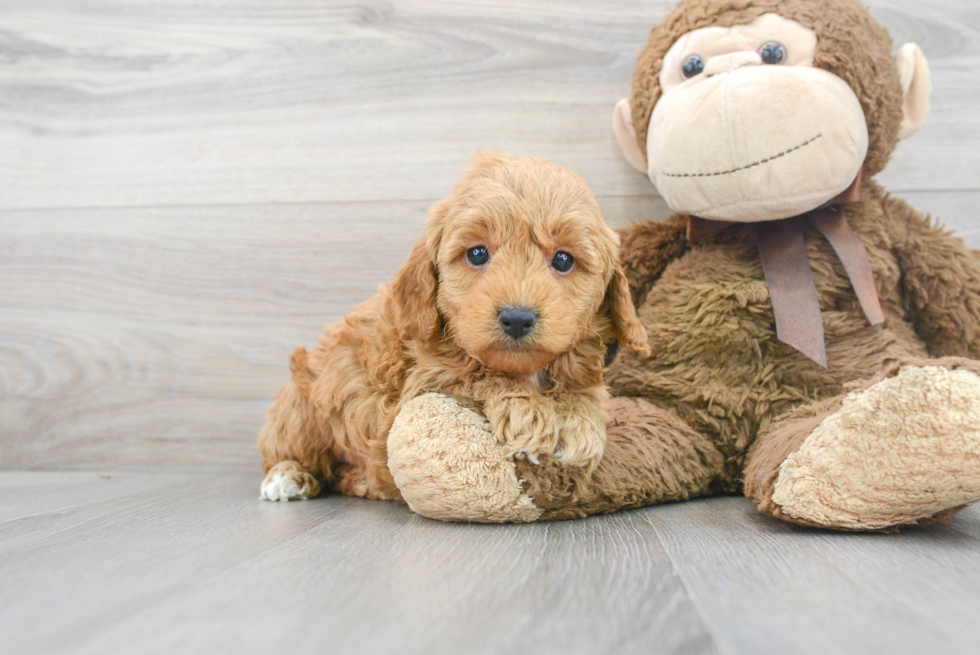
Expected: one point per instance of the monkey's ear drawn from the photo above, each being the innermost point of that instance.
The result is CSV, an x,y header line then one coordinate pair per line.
x,y
913,71
626,325
626,135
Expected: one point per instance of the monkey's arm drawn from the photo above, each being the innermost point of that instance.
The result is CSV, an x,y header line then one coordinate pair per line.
x,y
647,248
941,279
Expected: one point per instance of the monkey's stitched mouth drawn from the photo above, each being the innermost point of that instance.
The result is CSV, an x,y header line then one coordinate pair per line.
x,y
748,166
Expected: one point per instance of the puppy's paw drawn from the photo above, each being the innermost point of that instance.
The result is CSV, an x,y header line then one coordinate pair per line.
x,y
581,434
526,425
288,481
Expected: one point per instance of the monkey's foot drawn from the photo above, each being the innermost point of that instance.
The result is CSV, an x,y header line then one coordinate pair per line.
x,y
904,450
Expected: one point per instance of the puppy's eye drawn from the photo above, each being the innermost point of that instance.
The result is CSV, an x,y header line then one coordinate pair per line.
x,y
562,262
478,255
772,53
693,65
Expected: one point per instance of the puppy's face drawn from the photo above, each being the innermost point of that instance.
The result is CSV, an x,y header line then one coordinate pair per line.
x,y
524,262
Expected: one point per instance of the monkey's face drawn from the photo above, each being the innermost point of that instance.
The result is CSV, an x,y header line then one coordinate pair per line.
x,y
748,129
742,114
750,126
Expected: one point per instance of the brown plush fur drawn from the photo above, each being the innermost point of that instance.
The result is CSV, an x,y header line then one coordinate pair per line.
x,y
717,361
651,457
722,402
435,329
719,380
851,45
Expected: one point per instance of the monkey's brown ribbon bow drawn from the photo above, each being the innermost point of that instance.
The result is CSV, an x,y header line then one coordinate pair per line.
x,y
782,250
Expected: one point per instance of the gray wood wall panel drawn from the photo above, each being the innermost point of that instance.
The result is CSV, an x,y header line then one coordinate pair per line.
x,y
252,102
191,189
157,337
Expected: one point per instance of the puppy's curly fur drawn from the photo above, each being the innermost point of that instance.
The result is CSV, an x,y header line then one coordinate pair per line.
x,y
436,328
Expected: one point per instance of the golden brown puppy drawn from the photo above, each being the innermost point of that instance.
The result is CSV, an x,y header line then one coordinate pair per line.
x,y
505,303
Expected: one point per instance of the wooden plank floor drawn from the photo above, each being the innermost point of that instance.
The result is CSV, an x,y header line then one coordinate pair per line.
x,y
194,563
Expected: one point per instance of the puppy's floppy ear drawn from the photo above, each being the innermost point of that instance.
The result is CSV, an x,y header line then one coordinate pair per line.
x,y
416,283
625,323
414,292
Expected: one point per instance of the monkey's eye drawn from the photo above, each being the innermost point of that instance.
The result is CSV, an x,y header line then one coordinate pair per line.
x,y
772,53
692,66
562,262
478,255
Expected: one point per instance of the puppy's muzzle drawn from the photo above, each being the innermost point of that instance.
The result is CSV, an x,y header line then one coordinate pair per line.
x,y
517,321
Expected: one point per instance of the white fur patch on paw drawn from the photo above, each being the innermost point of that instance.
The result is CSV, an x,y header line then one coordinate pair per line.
x,y
281,487
904,449
287,481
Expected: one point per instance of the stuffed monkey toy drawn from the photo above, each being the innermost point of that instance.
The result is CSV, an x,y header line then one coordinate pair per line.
x,y
815,341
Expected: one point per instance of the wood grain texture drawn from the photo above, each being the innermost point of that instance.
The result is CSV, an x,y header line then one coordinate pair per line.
x,y
158,337
30,494
250,102
774,588
196,564
191,189
135,338
202,566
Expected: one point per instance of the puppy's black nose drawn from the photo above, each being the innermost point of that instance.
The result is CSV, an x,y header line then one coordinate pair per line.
x,y
517,321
